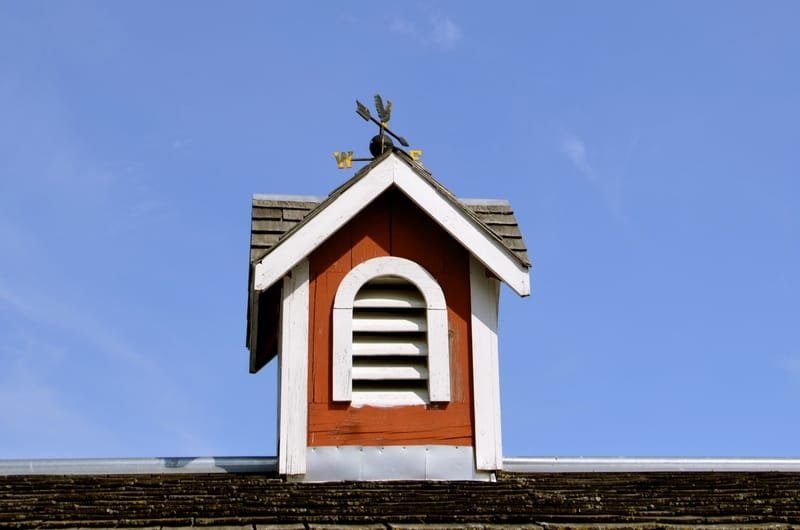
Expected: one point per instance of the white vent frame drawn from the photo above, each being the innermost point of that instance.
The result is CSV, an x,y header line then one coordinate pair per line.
x,y
436,320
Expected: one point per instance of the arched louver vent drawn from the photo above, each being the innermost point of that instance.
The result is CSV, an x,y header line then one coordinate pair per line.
x,y
390,344
390,339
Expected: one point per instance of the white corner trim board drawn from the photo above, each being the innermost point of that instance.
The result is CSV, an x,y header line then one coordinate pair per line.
x,y
434,326
485,296
293,370
390,171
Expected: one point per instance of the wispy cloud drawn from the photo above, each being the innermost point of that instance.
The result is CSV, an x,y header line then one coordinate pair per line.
x,y
608,184
790,365
47,164
444,31
436,30
574,148
32,371
30,430
403,26
52,312
181,143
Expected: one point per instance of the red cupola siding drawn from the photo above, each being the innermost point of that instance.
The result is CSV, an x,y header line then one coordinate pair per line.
x,y
380,302
390,226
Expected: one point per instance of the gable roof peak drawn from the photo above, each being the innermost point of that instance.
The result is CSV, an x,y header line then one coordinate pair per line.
x,y
393,168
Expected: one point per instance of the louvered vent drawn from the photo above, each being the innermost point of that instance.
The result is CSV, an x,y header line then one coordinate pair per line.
x,y
390,343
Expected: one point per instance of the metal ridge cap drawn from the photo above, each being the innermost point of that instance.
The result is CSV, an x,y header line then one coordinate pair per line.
x,y
583,464
484,202
285,197
269,464
125,466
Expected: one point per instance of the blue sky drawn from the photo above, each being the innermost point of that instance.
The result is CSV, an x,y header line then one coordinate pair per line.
x,y
650,151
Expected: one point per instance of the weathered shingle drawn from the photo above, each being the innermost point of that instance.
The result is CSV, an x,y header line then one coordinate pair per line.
x,y
272,217
553,500
499,218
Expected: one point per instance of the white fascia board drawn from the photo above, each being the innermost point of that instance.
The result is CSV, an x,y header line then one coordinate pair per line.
x,y
464,229
392,170
323,225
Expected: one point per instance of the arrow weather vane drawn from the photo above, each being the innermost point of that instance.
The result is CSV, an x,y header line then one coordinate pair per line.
x,y
380,142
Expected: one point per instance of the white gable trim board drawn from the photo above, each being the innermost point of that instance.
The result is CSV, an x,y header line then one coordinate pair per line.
x,y
463,228
390,171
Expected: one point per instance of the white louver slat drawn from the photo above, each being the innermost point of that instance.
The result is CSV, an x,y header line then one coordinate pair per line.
x,y
376,345
387,322
389,298
396,370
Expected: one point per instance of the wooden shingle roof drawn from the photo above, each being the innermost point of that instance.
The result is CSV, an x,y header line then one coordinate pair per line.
x,y
665,500
273,216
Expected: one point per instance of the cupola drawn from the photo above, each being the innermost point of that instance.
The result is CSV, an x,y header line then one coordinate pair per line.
x,y
380,302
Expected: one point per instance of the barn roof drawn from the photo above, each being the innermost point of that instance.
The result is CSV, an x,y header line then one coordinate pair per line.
x,y
515,500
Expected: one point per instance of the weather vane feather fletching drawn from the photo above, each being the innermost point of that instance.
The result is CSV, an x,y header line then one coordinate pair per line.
x,y
384,112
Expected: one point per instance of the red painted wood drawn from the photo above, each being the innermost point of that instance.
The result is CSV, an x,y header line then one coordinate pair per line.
x,y
390,226
370,236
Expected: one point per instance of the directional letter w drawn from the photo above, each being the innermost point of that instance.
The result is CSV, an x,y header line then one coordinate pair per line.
x,y
343,159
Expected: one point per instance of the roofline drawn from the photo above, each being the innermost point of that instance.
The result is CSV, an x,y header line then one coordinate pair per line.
x,y
605,464
369,182
269,464
317,199
282,197
484,202
135,466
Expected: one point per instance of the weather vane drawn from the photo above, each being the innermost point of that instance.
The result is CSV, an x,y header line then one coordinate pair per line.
x,y
379,142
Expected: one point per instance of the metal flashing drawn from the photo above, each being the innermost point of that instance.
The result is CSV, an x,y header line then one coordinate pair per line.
x,y
292,198
129,466
484,202
408,462
442,463
555,464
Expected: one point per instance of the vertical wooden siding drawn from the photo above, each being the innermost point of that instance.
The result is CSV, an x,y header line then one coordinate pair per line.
x,y
390,226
